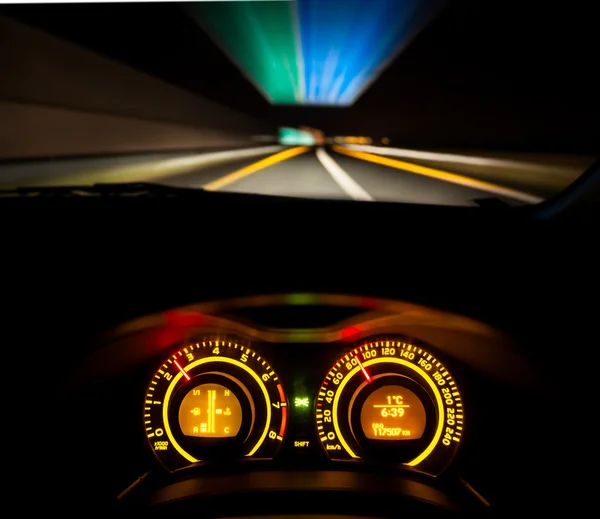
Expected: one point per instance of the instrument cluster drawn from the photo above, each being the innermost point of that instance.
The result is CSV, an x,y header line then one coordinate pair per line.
x,y
384,400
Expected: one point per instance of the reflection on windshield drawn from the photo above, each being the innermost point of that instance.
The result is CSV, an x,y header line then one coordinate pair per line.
x,y
368,100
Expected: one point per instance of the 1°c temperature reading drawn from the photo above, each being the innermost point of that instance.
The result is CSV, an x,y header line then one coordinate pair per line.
x,y
394,408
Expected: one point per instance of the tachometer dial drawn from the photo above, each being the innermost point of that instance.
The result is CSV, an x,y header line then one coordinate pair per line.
x,y
212,400
390,401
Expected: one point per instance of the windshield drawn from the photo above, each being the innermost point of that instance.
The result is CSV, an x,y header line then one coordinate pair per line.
x,y
417,101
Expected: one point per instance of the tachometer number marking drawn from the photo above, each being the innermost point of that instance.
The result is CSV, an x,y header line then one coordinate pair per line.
x,y
214,398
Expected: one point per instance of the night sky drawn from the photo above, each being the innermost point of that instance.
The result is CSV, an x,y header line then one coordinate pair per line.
x,y
485,74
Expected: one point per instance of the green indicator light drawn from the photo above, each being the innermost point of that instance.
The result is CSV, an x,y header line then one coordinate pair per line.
x,y
300,336
301,402
300,299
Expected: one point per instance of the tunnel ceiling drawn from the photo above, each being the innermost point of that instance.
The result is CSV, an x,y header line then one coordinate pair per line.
x,y
496,74
313,52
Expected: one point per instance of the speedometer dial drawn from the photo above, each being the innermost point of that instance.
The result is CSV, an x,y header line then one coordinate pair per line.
x,y
390,401
216,399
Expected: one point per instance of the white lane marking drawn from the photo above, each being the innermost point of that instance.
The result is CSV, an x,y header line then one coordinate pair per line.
x,y
146,170
454,178
347,184
446,157
208,159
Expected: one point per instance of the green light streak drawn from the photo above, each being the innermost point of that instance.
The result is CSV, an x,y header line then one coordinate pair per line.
x,y
260,38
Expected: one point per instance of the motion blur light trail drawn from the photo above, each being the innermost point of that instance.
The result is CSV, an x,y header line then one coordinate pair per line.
x,y
254,167
259,37
438,174
314,52
346,44
295,137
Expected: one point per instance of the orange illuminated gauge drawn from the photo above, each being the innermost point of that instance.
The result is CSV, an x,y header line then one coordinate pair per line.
x,y
393,413
390,401
214,400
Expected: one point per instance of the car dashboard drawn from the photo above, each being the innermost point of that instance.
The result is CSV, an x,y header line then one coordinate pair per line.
x,y
299,394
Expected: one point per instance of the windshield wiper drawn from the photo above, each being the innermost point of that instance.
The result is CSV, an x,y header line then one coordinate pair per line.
x,y
135,189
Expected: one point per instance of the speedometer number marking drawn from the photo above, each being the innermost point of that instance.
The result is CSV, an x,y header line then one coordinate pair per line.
x,y
392,399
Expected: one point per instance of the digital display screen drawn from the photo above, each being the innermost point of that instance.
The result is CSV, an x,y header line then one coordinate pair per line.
x,y
393,413
210,411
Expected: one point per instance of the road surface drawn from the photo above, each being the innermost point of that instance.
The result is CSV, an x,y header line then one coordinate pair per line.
x,y
329,173
305,176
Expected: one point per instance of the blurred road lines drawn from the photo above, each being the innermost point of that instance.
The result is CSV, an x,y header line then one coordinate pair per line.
x,y
539,174
141,168
338,172
254,167
443,157
438,174
342,179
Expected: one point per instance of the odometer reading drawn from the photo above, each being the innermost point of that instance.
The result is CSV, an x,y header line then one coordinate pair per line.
x,y
390,400
215,399
393,412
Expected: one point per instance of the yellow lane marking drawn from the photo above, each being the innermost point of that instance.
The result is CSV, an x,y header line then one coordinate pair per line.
x,y
145,170
440,175
253,168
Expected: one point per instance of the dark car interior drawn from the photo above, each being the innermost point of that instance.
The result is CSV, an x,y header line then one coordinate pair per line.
x,y
102,289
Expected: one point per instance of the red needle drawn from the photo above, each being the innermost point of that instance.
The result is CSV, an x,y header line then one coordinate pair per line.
x,y
364,370
181,369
